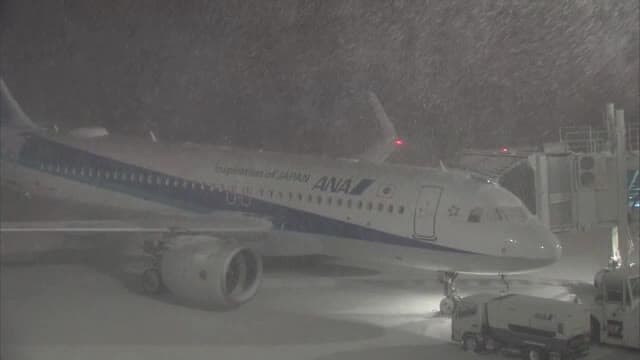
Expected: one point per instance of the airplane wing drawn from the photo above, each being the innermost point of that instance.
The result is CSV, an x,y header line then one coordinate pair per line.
x,y
217,223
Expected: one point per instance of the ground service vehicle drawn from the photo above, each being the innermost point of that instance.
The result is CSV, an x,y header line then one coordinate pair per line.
x,y
536,327
615,313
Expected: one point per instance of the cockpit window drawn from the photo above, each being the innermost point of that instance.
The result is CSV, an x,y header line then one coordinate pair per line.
x,y
512,214
504,213
475,215
493,215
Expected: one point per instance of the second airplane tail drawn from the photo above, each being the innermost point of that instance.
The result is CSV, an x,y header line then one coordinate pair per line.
x,y
11,113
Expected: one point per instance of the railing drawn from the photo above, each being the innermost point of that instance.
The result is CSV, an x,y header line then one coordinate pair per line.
x,y
585,139
633,137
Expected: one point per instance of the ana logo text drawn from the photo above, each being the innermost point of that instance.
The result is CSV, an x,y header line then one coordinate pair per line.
x,y
342,185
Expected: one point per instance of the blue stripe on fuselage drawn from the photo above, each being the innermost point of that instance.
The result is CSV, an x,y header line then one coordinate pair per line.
x,y
79,165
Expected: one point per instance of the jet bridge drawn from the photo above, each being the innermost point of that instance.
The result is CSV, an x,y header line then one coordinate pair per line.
x,y
589,178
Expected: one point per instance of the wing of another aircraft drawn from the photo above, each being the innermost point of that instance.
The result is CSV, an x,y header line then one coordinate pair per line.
x,y
216,223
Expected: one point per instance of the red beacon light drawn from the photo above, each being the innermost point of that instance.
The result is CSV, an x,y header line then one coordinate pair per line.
x,y
399,142
504,149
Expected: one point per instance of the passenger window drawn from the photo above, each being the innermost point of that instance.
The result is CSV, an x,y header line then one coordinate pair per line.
x,y
339,201
349,203
475,215
329,200
390,208
280,196
319,199
299,196
290,196
401,209
359,204
369,206
309,198
380,206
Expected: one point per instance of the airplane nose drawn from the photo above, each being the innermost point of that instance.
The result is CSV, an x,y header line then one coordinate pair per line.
x,y
534,242
549,245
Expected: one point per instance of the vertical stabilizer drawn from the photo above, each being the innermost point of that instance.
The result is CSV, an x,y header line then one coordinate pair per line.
x,y
381,150
11,113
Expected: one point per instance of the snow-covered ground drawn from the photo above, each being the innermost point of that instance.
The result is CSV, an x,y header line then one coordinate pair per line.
x,y
76,311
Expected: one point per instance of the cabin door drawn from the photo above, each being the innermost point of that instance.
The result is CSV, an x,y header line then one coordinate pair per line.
x,y
424,221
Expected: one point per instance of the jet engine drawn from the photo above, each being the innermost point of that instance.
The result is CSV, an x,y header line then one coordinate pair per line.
x,y
213,273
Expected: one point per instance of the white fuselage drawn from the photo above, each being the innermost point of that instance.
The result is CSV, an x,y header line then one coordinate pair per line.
x,y
416,217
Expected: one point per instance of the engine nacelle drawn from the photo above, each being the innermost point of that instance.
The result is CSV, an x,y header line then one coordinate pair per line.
x,y
212,273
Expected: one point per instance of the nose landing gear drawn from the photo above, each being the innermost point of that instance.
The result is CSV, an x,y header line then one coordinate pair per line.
x,y
504,280
451,298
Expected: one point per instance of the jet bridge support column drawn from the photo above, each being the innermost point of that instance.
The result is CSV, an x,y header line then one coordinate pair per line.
x,y
625,242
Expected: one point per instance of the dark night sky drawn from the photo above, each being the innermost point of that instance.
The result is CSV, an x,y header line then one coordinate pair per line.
x,y
292,75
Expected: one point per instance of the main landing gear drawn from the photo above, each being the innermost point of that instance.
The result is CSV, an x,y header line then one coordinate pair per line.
x,y
451,298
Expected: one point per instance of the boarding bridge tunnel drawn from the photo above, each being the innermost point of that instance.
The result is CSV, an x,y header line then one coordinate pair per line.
x,y
569,185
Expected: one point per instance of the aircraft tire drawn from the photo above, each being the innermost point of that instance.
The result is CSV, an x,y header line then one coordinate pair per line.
x,y
152,282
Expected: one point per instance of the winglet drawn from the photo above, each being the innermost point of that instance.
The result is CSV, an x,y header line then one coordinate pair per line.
x,y
381,150
153,136
442,167
10,111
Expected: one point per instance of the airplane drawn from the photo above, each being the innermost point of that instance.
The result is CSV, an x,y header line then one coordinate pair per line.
x,y
207,203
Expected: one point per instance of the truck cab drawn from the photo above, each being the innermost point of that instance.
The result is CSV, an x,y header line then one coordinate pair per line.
x,y
470,316
615,313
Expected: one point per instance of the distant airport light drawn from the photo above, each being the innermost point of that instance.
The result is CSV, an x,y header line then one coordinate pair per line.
x,y
504,149
399,142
